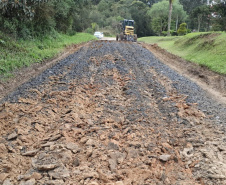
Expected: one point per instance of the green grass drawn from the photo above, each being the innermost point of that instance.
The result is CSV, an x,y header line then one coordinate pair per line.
x,y
15,54
205,49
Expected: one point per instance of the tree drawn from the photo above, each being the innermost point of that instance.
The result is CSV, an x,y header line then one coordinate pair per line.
x,y
170,14
219,18
159,14
190,5
25,7
138,11
64,15
96,16
202,15
178,15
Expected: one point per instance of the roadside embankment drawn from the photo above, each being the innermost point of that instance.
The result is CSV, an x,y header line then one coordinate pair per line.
x,y
22,60
205,49
193,56
16,54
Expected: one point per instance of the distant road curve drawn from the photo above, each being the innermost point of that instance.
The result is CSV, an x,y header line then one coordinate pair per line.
x,y
108,38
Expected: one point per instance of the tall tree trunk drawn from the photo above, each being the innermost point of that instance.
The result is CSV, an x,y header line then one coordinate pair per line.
x,y
177,23
199,22
170,14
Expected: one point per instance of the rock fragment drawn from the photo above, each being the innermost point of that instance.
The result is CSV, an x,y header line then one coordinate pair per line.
x,y
44,163
132,153
55,182
36,176
59,173
3,148
12,136
119,183
93,183
3,176
118,156
73,147
112,146
187,152
89,152
65,157
112,164
76,162
90,142
56,137
164,157
7,182
30,153
48,144
91,175
29,182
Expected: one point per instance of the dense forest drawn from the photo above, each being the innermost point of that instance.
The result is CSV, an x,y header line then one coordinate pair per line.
x,y
27,19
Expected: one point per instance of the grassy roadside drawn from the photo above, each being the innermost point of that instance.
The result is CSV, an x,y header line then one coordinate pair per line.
x,y
15,54
205,49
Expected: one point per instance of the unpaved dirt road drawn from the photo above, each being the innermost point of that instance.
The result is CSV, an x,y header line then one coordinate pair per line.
x,y
111,113
108,38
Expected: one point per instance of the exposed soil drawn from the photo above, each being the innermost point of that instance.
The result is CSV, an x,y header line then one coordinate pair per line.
x,y
111,113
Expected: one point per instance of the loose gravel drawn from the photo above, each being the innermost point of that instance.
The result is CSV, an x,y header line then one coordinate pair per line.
x,y
112,113
183,85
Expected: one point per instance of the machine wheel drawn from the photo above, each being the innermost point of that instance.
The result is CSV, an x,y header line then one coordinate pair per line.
x,y
121,36
117,37
135,37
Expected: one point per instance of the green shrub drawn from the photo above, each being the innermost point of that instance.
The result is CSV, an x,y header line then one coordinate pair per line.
x,y
182,29
164,33
71,32
173,33
25,33
2,42
107,34
188,30
10,26
89,30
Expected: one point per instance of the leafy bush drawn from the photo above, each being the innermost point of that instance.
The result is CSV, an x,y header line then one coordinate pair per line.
x,y
188,30
89,30
10,26
182,29
173,33
2,42
164,33
107,34
71,32
25,32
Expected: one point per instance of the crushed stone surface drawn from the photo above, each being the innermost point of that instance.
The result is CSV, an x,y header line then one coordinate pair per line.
x,y
112,114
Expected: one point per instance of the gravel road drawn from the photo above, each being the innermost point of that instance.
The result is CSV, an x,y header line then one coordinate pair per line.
x,y
111,113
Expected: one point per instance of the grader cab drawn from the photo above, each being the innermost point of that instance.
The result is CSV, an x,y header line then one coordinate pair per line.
x,y
126,29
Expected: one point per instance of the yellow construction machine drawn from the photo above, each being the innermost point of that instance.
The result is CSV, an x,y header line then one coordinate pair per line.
x,y
126,28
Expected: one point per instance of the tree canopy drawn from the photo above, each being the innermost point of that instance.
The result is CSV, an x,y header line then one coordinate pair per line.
x,y
28,19
159,13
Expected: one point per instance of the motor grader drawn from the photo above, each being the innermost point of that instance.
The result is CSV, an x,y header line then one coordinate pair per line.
x,y
126,29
